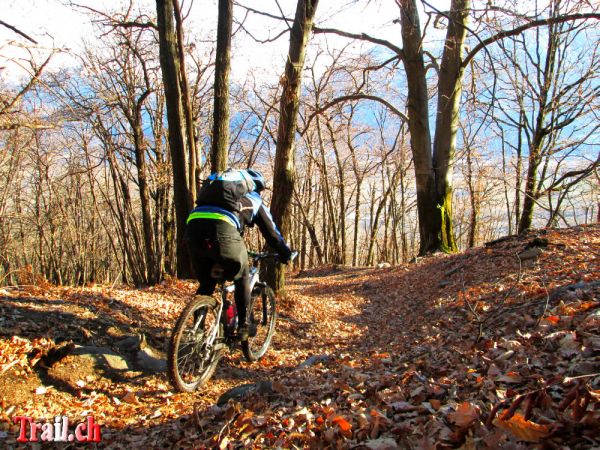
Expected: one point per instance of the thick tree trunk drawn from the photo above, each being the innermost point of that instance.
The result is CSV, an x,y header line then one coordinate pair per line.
x,y
220,137
283,177
418,124
444,143
526,218
171,76
434,174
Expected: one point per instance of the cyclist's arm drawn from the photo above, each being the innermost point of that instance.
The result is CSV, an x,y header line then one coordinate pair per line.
x,y
268,228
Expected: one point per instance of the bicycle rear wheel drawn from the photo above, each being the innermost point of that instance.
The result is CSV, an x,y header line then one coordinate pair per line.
x,y
261,317
192,358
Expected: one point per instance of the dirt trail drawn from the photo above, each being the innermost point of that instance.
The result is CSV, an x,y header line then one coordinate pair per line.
x,y
421,355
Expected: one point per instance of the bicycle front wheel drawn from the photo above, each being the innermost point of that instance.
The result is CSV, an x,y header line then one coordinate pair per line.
x,y
261,323
192,358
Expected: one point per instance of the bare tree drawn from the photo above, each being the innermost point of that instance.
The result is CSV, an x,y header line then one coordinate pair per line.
x,y
220,135
171,71
283,176
549,98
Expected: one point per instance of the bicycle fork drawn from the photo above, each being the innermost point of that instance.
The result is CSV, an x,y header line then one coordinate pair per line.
x,y
211,338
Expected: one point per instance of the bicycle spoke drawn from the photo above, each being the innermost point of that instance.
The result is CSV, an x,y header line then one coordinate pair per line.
x,y
191,360
185,357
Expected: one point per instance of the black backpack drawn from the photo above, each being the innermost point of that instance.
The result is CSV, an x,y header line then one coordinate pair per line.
x,y
225,189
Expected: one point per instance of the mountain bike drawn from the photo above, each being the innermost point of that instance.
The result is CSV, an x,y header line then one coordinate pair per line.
x,y
207,328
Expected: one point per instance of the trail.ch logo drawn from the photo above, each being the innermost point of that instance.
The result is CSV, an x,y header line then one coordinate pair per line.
x,y
57,431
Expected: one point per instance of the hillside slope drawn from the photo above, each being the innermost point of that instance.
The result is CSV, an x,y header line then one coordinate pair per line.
x,y
497,347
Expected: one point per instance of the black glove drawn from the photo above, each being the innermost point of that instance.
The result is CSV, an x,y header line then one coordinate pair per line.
x,y
285,254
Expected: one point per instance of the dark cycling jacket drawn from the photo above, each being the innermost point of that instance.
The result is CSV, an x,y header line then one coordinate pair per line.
x,y
252,211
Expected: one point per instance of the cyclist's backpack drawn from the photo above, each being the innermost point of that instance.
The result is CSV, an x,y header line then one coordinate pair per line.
x,y
225,189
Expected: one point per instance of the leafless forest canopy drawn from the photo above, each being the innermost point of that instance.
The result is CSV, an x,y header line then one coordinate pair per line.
x,y
87,187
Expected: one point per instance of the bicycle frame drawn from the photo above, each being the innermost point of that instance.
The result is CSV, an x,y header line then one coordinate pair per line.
x,y
229,288
220,334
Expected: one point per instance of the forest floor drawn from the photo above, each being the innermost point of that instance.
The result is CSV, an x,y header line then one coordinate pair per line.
x,y
496,347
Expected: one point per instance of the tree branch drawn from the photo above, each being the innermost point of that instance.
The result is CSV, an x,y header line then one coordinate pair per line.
x,y
580,174
16,30
262,13
28,86
362,37
133,24
113,22
518,30
351,97
28,125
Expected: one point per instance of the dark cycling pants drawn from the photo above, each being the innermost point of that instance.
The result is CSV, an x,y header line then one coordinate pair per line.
x,y
212,241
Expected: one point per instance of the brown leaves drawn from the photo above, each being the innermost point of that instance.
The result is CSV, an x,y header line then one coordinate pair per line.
x,y
344,425
465,415
21,354
400,368
524,430
130,397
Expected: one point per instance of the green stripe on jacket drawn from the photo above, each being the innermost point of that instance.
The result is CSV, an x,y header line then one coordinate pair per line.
x,y
210,215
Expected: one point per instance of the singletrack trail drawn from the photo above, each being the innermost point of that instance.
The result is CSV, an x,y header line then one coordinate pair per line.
x,y
496,347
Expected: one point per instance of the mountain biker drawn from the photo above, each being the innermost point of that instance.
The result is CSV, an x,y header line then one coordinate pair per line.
x,y
227,203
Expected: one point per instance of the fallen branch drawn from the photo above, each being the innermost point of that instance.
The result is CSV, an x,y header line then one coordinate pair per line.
x,y
499,240
558,292
537,323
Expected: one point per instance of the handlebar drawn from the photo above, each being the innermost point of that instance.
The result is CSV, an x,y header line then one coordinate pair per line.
x,y
267,255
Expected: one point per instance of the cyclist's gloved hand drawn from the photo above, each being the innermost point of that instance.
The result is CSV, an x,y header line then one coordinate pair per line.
x,y
285,254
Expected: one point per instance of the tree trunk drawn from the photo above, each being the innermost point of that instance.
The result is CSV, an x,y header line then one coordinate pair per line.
x,y
342,190
171,76
152,271
220,137
356,222
539,134
308,226
434,174
193,171
526,218
473,200
418,124
449,92
283,176
519,169
328,206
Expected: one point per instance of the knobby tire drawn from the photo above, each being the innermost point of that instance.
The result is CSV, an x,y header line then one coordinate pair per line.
x,y
187,349
256,346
